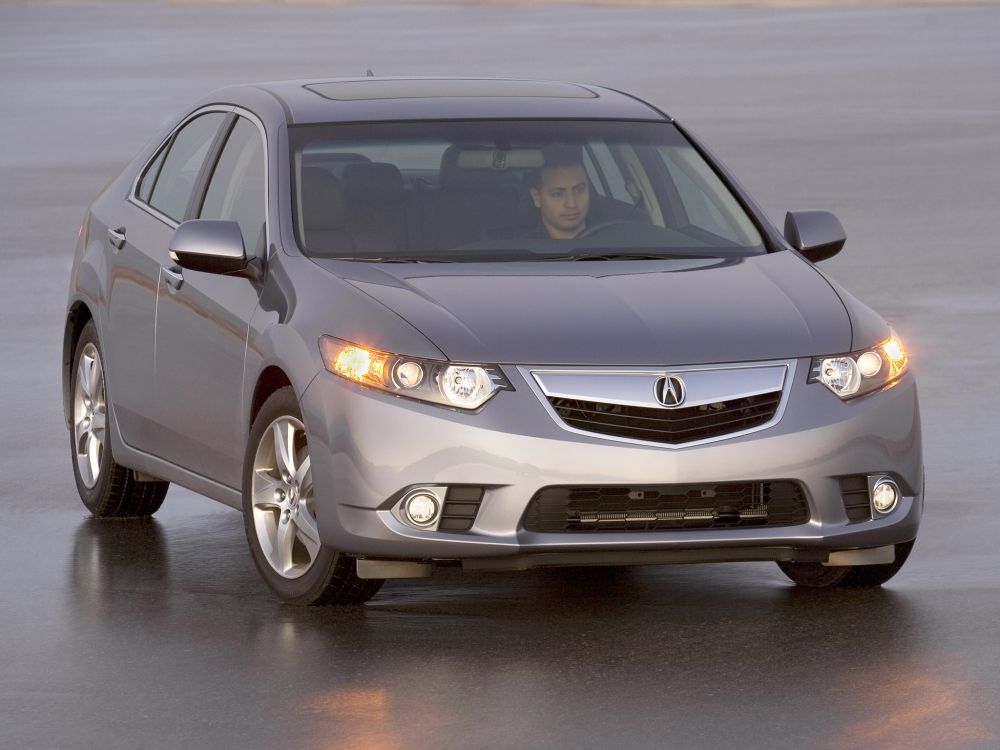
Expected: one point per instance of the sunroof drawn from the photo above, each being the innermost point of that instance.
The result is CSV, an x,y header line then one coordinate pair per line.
x,y
423,88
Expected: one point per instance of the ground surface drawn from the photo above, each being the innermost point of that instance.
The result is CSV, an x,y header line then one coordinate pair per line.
x,y
160,634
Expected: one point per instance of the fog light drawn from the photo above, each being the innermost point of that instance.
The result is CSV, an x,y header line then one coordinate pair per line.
x,y
422,508
885,495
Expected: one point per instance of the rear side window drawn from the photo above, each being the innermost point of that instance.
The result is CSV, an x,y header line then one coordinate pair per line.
x,y
237,188
149,177
186,152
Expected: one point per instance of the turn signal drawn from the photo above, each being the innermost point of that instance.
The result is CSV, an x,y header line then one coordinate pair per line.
x,y
357,363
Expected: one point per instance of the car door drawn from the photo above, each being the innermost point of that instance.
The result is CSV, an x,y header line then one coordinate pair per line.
x,y
139,235
202,321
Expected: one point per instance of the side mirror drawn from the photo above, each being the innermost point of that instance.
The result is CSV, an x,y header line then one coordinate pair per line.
x,y
818,235
212,246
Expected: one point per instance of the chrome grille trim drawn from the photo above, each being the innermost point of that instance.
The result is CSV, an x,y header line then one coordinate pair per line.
x,y
634,386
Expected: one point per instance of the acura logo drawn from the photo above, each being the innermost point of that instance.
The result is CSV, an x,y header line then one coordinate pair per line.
x,y
670,391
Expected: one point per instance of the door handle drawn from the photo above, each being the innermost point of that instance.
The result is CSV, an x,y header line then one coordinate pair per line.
x,y
117,237
173,276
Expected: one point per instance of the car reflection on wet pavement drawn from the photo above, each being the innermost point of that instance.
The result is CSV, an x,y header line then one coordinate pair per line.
x,y
161,629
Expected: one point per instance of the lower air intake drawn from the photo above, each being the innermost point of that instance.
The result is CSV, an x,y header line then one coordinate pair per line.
x,y
854,491
666,507
461,505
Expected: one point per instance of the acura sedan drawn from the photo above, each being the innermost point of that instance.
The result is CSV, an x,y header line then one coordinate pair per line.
x,y
502,324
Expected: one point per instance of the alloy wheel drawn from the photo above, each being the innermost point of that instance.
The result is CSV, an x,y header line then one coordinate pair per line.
x,y
284,515
89,415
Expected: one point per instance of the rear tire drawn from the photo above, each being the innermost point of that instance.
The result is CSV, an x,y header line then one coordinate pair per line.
x,y
818,576
279,514
106,488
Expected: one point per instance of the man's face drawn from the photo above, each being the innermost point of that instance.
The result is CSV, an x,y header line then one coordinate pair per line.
x,y
563,199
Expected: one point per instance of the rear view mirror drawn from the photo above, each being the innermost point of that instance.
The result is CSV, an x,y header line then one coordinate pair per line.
x,y
818,235
212,246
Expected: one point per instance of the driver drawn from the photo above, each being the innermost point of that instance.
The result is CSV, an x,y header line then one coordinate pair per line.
x,y
560,191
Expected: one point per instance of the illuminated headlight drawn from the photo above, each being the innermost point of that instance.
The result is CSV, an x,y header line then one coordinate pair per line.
x,y
858,373
463,386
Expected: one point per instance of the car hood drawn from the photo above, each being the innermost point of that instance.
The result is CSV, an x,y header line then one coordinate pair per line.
x,y
671,311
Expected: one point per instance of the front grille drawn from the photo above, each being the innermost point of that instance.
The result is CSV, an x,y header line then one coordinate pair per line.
x,y
659,425
666,507
461,505
854,492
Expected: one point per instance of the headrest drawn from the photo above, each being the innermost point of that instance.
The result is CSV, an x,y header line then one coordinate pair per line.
x,y
485,168
375,182
323,205
328,160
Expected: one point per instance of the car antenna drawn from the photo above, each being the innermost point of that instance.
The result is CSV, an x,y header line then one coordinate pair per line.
x,y
370,74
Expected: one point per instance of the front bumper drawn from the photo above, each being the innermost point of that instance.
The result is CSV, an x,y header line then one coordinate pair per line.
x,y
367,447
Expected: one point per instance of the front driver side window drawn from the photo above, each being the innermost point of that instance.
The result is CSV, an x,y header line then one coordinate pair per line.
x,y
237,190
175,182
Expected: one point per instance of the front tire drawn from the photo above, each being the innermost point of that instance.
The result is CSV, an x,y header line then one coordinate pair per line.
x,y
819,576
106,488
279,514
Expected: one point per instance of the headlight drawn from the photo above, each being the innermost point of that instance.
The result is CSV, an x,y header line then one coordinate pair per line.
x,y
858,373
460,385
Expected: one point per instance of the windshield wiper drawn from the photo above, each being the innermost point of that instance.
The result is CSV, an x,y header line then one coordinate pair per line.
x,y
413,260
392,260
627,256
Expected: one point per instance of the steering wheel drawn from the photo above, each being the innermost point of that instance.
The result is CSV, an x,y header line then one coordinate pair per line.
x,y
600,227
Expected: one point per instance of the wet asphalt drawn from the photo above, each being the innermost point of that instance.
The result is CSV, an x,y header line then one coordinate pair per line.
x,y
159,634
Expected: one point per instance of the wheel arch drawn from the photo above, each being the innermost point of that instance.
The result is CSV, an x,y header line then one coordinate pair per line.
x,y
271,379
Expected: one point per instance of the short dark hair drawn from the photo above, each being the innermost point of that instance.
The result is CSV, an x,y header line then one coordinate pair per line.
x,y
557,156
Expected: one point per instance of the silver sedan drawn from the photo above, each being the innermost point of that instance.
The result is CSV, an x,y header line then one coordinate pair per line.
x,y
502,324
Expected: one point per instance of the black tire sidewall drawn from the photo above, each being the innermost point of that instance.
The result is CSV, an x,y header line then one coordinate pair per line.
x,y
310,586
815,575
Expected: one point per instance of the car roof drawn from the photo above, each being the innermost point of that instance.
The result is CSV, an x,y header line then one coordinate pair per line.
x,y
382,99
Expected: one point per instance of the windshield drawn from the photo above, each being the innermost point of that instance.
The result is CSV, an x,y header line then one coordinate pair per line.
x,y
510,190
